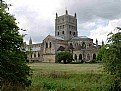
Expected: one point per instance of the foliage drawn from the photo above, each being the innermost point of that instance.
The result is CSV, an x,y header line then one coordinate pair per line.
x,y
112,61
66,57
13,69
101,54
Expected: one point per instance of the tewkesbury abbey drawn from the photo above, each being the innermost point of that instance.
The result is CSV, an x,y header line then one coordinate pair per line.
x,y
66,39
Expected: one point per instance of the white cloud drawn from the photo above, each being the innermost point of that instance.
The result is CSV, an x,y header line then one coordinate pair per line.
x,y
101,33
96,18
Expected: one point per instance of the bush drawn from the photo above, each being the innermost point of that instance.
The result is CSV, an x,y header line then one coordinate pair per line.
x,y
66,57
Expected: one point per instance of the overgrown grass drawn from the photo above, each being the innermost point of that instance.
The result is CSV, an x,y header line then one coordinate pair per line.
x,y
66,77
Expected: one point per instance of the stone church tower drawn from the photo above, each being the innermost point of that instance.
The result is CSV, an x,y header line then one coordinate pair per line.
x,y
66,26
66,39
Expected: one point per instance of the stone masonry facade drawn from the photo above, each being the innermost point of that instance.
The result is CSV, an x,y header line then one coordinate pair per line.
x,y
66,39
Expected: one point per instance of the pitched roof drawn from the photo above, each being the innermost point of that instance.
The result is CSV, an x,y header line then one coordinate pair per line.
x,y
81,38
61,48
58,38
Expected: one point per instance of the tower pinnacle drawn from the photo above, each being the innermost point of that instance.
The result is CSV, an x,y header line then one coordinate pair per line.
x,y
102,42
56,15
75,15
30,41
96,42
66,12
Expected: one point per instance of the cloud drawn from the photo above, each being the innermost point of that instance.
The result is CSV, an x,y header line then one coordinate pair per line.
x,y
101,33
37,17
90,10
96,18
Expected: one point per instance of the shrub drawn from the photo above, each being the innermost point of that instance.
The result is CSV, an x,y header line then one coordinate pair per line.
x,y
66,57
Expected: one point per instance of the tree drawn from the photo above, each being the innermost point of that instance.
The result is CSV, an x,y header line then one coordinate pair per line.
x,y
66,57
101,54
14,71
112,60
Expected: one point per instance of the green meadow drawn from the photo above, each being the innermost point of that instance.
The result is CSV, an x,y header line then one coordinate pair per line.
x,y
66,77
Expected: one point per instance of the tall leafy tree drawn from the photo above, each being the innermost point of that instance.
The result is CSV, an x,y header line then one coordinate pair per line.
x,y
112,60
101,54
13,69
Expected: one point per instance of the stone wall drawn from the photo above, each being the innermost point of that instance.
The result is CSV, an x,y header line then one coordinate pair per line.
x,y
49,58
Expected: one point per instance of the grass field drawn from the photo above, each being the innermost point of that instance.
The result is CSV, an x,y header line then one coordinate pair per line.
x,y
66,77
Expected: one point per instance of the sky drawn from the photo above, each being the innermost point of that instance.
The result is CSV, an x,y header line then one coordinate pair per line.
x,y
96,18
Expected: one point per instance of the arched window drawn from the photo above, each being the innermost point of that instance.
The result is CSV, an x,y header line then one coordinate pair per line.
x,y
63,26
34,55
89,44
71,46
58,33
75,57
38,55
62,32
50,44
88,57
70,32
80,56
83,45
94,56
74,33
46,45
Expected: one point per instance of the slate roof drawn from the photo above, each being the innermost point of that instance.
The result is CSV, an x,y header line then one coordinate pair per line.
x,y
81,38
58,38
61,48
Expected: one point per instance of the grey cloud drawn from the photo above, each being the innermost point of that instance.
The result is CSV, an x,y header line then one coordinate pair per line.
x,y
89,10
38,27
38,34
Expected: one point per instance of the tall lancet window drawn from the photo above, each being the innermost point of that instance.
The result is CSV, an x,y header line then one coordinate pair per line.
x,y
50,44
46,45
